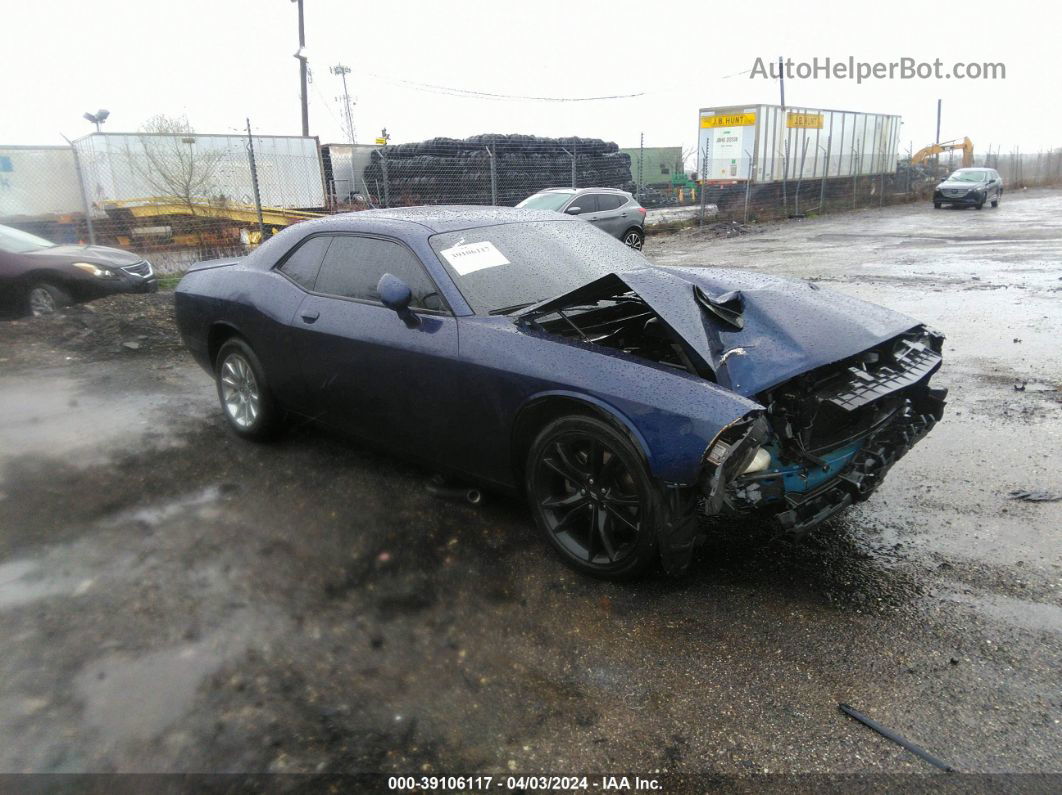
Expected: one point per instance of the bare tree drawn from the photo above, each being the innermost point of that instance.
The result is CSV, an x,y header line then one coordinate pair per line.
x,y
174,166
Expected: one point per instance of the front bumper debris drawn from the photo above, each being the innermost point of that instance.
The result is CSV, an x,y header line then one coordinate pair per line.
x,y
860,478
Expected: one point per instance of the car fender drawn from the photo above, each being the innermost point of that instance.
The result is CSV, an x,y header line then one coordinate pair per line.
x,y
593,402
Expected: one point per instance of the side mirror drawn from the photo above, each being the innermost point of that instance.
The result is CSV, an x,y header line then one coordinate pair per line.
x,y
395,294
573,210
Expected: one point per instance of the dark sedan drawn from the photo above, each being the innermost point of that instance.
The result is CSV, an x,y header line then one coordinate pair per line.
x,y
38,276
537,354
970,187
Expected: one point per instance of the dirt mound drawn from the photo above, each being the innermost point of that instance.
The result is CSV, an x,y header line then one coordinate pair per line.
x,y
119,325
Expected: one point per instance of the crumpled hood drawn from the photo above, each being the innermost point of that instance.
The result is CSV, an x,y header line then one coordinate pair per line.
x,y
788,326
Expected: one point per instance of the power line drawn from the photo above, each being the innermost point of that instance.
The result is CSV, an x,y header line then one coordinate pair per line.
x,y
463,92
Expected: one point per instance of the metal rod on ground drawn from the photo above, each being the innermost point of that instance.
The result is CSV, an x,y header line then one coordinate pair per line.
x,y
85,206
254,183
888,734
748,186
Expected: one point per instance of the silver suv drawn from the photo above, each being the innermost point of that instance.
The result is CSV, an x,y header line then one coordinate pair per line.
x,y
615,211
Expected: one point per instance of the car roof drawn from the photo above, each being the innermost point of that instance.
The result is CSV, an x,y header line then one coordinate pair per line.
x,y
426,220
583,190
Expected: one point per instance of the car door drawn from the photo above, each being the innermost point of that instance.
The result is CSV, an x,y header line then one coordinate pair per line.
x,y
587,204
366,369
612,215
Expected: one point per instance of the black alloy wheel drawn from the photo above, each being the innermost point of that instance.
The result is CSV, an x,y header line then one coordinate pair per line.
x,y
592,496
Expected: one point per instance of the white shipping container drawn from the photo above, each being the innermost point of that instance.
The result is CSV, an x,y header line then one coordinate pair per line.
x,y
38,182
768,143
135,167
348,167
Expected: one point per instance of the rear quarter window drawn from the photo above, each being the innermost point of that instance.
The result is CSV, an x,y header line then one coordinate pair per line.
x,y
303,264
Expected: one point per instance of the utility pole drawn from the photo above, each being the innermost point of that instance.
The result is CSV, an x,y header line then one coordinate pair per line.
x,y
343,71
301,55
781,82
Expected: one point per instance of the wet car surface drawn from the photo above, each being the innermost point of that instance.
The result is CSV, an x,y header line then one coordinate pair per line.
x,y
172,598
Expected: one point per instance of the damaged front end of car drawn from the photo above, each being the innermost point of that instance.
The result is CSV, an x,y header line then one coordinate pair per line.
x,y
835,432
842,387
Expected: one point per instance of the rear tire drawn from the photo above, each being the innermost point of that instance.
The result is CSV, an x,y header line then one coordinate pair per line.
x,y
44,299
936,205
979,205
243,391
995,201
592,497
634,238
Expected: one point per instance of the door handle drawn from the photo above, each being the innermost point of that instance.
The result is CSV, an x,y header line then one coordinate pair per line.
x,y
310,315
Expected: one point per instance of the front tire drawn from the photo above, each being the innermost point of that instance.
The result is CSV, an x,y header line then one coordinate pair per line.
x,y
634,238
244,391
44,299
592,496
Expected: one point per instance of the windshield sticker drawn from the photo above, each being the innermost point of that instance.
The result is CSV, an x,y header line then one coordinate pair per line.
x,y
466,258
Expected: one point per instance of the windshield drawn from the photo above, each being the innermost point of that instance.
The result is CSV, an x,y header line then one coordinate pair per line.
x,y
545,201
969,176
15,241
512,265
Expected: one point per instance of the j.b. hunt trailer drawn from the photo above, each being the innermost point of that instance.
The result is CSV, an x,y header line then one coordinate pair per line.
x,y
771,143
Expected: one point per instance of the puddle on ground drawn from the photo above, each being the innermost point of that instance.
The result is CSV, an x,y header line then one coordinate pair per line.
x,y
154,515
1035,616
136,697
25,581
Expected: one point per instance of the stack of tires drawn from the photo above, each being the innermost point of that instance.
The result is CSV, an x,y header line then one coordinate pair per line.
x,y
451,171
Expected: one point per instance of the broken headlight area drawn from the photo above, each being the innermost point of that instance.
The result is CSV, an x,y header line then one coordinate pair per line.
x,y
834,433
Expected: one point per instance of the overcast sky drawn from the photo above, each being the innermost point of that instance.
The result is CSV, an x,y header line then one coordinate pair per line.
x,y
219,61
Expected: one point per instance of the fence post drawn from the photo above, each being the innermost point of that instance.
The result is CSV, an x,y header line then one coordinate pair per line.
x,y
254,182
493,178
785,173
825,171
748,186
800,176
704,180
386,179
855,173
86,207
641,165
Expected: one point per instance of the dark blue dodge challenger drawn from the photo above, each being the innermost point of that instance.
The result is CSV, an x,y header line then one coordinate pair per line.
x,y
532,352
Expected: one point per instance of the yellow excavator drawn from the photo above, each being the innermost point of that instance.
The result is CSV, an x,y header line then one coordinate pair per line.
x,y
966,145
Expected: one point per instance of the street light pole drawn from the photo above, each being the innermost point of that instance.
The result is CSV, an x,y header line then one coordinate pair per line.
x,y
301,55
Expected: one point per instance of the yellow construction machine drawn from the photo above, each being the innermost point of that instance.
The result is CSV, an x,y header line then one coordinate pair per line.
x,y
966,145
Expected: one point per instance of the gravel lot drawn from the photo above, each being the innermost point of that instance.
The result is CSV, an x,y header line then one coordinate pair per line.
x,y
174,599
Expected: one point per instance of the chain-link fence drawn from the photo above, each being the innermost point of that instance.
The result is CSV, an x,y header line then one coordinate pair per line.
x,y
178,198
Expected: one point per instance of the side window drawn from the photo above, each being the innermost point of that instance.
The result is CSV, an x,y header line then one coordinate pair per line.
x,y
302,264
353,267
586,203
610,201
